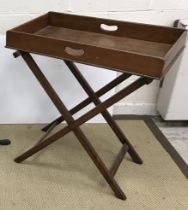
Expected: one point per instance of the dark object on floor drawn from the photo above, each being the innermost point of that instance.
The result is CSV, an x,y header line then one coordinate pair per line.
x,y
5,142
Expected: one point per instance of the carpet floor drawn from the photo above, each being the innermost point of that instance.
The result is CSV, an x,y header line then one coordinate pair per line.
x,y
62,177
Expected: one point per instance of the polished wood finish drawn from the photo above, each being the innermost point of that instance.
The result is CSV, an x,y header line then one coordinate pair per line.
x,y
73,125
126,91
118,160
148,32
87,101
130,48
107,41
85,85
50,129
136,48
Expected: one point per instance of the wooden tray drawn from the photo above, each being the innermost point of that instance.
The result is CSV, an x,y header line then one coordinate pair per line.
x,y
124,46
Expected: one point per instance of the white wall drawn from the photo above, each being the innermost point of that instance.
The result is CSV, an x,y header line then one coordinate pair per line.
x,y
162,12
24,101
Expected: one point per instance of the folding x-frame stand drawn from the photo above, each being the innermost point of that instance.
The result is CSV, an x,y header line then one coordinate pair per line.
x,y
73,125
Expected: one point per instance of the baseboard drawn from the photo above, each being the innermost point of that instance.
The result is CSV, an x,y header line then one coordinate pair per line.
x,y
135,109
132,117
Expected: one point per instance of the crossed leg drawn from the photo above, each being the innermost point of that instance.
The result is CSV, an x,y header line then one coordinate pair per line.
x,y
73,125
93,97
87,101
85,85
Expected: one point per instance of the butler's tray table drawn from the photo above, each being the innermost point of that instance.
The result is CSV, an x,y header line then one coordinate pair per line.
x,y
130,48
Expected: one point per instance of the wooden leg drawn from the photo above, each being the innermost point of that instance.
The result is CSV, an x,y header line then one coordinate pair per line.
x,y
73,125
98,109
85,85
99,163
77,131
118,96
118,160
87,101
46,134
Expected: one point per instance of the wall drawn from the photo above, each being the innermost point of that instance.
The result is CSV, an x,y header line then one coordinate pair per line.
x,y
24,101
162,12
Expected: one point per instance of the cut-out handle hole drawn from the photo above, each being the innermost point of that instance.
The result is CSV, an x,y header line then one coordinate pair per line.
x,y
74,52
109,28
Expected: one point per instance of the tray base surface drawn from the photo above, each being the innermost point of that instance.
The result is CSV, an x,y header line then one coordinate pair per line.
x,y
106,41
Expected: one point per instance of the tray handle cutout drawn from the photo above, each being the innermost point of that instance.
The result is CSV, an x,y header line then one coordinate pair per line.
x,y
74,52
109,28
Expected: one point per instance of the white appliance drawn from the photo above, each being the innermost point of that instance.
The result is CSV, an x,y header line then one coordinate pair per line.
x,y
172,101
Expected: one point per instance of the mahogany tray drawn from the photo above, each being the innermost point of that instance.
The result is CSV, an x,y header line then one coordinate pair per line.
x,y
140,49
